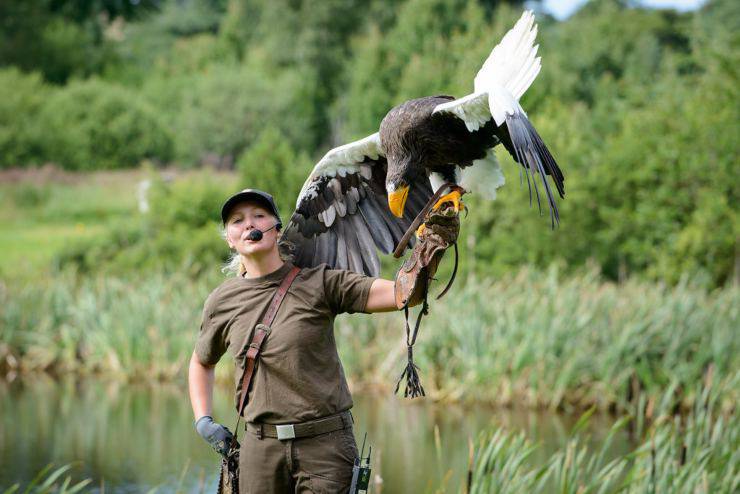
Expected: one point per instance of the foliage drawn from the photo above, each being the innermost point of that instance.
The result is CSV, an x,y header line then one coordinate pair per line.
x,y
49,481
21,132
272,165
178,38
222,111
98,125
559,342
127,328
695,453
639,106
179,232
534,339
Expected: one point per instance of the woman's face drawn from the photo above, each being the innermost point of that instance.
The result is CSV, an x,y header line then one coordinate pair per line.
x,y
245,217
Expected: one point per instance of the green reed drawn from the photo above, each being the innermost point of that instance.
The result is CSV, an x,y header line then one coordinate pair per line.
x,y
133,329
694,453
540,339
533,338
48,481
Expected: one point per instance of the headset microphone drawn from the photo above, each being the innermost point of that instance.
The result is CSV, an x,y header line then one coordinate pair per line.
x,y
256,235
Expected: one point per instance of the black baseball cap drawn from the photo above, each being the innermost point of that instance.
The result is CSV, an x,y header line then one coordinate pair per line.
x,y
261,197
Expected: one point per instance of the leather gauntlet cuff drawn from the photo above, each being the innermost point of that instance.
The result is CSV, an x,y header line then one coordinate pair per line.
x,y
413,277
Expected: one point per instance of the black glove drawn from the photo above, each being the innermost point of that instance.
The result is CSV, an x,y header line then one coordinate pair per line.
x,y
218,436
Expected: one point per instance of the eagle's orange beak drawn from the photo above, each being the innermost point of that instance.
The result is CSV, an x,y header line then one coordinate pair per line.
x,y
397,200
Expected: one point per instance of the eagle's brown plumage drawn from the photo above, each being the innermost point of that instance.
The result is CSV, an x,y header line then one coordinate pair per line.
x,y
415,140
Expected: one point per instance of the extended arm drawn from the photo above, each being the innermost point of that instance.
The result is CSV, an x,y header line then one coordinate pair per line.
x,y
382,297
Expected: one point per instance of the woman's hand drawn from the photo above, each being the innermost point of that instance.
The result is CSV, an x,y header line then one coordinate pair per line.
x,y
215,434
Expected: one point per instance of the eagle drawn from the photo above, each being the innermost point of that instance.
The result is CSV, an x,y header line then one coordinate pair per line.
x,y
361,197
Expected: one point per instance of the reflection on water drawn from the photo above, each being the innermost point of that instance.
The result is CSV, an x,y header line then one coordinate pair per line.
x,y
131,438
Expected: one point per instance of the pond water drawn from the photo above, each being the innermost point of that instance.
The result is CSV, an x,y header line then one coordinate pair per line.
x,y
131,438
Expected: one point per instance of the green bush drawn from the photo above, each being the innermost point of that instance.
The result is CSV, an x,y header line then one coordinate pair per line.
x,y
98,125
21,130
180,232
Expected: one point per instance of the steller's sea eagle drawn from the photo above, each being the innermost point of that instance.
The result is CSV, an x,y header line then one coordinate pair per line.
x,y
362,196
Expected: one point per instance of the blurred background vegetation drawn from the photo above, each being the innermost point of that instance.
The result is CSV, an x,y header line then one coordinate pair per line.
x,y
125,124
639,106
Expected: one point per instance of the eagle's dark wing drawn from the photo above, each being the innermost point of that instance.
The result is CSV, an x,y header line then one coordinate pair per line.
x,y
509,70
342,216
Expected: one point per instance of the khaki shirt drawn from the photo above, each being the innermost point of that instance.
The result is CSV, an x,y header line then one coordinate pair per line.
x,y
299,376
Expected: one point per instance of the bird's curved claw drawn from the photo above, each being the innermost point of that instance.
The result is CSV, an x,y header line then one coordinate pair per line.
x,y
455,197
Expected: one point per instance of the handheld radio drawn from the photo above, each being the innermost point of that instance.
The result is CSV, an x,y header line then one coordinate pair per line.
x,y
361,471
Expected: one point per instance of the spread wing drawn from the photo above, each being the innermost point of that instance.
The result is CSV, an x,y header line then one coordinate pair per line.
x,y
506,74
342,216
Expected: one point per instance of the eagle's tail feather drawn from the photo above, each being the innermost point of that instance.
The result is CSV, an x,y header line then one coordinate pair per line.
x,y
531,152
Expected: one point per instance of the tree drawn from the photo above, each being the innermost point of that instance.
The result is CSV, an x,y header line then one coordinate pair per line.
x,y
272,165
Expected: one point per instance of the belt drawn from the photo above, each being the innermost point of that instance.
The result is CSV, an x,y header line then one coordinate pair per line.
x,y
283,432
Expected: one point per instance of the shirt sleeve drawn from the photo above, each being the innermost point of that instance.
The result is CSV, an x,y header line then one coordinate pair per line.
x,y
346,291
211,343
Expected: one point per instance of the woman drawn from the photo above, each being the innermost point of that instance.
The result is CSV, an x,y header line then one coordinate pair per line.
x,y
299,378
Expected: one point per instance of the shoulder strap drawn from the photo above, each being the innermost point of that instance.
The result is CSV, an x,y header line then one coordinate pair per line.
x,y
260,333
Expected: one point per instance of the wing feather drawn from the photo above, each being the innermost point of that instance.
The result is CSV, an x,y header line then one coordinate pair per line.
x,y
342,216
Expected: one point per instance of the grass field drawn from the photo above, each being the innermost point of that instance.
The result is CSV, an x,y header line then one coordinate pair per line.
x,y
42,210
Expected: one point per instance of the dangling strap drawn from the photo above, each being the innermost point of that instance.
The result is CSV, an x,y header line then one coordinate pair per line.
x,y
260,334
411,372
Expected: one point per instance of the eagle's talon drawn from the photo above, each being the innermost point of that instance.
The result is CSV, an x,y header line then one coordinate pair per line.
x,y
455,197
420,230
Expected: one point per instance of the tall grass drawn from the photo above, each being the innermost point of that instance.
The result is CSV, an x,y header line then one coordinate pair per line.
x,y
550,341
533,338
132,329
49,481
696,453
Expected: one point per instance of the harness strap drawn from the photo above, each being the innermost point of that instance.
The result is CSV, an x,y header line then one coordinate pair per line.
x,y
260,333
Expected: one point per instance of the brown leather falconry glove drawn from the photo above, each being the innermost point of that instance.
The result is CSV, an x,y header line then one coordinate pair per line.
x,y
412,279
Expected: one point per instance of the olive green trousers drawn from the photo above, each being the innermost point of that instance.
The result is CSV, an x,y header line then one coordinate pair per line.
x,y
319,464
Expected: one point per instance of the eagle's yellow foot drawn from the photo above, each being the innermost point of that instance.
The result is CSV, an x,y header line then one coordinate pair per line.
x,y
420,230
454,197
